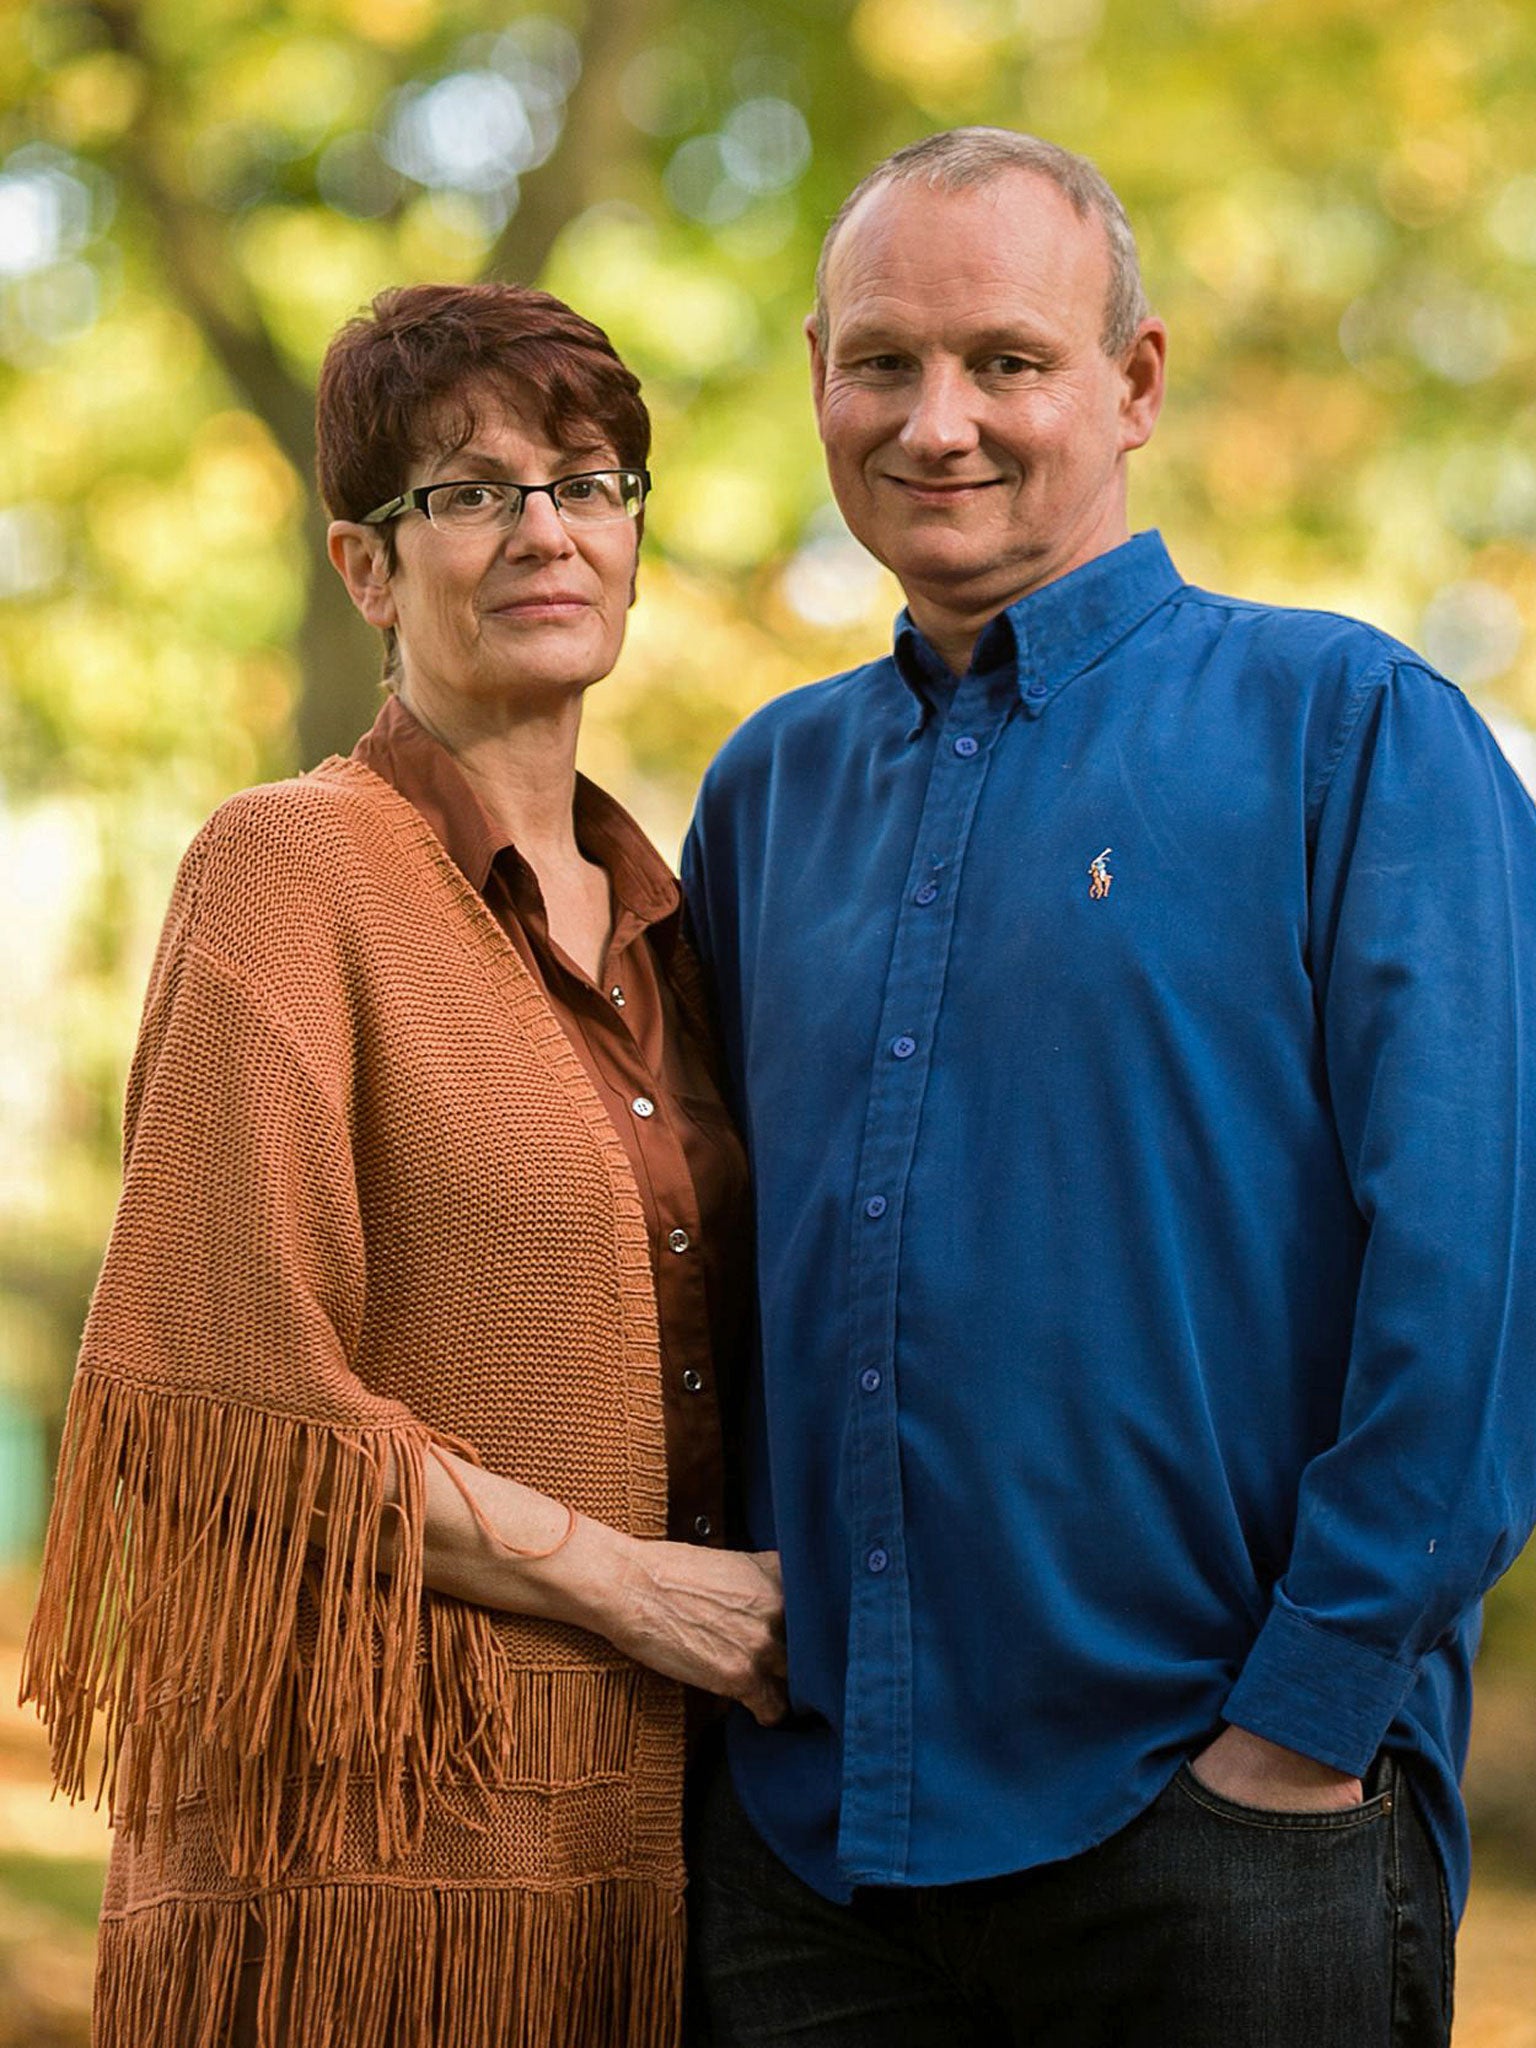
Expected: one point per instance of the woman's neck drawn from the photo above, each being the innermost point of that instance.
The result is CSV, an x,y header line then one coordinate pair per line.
x,y
521,765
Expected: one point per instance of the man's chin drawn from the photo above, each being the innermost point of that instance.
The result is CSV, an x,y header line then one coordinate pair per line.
x,y
972,581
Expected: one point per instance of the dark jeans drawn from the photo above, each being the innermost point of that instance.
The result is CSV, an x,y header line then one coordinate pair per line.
x,y
1201,1925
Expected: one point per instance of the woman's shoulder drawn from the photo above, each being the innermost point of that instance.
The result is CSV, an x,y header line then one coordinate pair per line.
x,y
285,863
300,829
327,805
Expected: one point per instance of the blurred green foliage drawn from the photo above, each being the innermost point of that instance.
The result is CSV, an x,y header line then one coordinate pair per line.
x,y
1337,206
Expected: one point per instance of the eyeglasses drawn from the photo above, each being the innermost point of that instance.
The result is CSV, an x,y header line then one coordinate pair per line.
x,y
594,498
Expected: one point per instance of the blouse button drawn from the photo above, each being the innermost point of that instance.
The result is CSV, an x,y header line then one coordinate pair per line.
x,y
616,996
643,1106
678,1240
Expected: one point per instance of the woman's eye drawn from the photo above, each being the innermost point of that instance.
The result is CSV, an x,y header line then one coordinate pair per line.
x,y
470,497
578,489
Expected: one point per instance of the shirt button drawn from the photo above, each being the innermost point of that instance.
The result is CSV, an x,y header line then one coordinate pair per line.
x,y
875,1208
869,1379
1036,690
677,1240
966,746
616,996
929,893
903,1048
643,1106
702,1525
693,1382
877,1559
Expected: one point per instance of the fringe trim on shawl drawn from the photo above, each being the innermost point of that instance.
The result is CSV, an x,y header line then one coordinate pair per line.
x,y
353,1965
228,1657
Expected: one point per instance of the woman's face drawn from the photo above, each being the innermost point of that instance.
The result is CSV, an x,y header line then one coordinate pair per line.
x,y
537,609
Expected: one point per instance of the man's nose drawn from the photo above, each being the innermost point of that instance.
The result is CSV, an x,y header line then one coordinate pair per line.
x,y
942,419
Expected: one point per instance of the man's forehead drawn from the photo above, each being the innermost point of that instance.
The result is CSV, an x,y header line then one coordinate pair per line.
x,y
905,238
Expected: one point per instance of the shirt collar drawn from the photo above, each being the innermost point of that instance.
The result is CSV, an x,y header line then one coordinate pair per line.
x,y
1057,631
400,750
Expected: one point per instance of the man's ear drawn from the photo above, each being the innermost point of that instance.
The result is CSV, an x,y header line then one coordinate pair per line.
x,y
1144,367
360,556
818,362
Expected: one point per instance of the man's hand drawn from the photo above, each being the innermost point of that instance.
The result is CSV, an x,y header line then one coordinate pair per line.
x,y
1250,1771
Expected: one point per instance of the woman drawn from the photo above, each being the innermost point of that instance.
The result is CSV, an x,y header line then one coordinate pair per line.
x,y
388,1508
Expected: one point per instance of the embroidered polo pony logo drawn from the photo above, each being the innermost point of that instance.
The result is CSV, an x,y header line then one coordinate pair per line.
x,y
1099,877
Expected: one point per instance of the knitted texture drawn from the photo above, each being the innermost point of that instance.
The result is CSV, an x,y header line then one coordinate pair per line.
x,y
371,1205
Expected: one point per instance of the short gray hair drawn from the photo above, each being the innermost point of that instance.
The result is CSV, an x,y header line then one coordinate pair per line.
x,y
960,158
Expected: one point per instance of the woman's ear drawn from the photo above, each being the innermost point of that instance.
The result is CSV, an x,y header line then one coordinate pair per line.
x,y
360,556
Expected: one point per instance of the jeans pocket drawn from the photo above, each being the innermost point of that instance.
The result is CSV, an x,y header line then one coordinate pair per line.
x,y
1337,1820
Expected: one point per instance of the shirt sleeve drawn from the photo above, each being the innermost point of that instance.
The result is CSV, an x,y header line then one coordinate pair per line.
x,y
1423,937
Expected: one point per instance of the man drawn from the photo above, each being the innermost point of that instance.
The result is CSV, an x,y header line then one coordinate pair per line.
x,y
1130,994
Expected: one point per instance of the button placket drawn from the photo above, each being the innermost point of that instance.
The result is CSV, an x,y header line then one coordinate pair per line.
x,y
874,1824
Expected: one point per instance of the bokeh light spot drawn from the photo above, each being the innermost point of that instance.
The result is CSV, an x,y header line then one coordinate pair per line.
x,y
765,144
830,581
31,549
1472,632
469,132
700,183
1458,334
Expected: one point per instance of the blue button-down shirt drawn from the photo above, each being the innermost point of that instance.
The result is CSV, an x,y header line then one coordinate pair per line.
x,y
1134,1038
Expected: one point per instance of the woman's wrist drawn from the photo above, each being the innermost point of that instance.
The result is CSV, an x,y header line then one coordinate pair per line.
x,y
588,1580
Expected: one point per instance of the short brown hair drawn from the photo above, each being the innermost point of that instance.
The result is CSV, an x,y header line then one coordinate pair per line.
x,y
404,379
963,157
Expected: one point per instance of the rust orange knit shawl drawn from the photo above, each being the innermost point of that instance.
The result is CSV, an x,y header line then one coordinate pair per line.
x,y
371,1203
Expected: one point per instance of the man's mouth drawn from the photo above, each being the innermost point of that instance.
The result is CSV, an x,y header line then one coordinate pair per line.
x,y
939,488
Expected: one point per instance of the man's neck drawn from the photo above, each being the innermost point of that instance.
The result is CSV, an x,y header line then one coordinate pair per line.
x,y
952,629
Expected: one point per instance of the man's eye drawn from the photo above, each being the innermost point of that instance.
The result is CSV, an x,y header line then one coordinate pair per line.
x,y
1009,366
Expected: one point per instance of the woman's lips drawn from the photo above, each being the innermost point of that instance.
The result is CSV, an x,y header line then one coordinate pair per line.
x,y
555,605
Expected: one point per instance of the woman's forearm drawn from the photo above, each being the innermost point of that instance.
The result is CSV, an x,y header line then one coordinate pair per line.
x,y
709,1617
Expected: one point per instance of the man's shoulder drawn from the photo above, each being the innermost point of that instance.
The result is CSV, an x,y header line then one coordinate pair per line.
x,y
1309,643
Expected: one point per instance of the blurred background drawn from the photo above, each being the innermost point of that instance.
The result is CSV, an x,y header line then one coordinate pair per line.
x,y
1337,210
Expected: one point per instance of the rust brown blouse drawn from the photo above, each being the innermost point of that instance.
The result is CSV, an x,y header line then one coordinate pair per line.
x,y
650,1068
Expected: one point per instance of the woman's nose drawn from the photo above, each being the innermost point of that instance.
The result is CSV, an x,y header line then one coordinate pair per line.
x,y
539,530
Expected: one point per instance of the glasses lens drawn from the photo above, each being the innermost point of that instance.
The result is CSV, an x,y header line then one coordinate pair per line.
x,y
469,505
605,494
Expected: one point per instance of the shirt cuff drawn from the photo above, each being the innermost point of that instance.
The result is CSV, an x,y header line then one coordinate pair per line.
x,y
1318,1693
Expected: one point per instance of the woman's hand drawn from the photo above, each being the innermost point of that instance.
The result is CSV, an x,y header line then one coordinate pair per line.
x,y
712,1618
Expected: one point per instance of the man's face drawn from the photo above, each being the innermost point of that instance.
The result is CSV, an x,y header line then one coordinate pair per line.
x,y
975,429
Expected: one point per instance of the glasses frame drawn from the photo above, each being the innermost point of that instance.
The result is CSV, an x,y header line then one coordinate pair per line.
x,y
416,499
